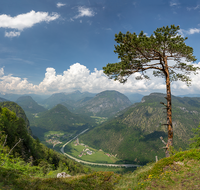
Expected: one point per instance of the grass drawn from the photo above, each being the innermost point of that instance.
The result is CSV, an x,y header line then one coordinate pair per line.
x,y
15,174
97,156
181,171
117,170
11,179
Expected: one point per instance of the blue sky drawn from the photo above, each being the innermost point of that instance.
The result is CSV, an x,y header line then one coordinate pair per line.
x,y
49,46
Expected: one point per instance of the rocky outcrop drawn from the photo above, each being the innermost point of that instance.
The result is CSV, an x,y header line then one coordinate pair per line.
x,y
63,175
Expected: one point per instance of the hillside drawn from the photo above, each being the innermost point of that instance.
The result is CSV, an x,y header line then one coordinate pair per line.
x,y
134,135
180,171
60,118
104,104
21,154
12,106
29,105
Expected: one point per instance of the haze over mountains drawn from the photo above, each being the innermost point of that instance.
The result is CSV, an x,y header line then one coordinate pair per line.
x,y
104,104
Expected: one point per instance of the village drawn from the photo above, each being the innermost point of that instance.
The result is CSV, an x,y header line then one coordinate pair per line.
x,y
53,138
87,151
54,142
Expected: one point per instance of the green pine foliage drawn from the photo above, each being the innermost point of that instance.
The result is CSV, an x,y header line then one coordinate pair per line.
x,y
137,51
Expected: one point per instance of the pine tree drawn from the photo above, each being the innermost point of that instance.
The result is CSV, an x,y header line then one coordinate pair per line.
x,y
139,53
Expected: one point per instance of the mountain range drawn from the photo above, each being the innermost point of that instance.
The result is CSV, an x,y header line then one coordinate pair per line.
x,y
60,118
104,104
69,98
29,105
134,134
137,125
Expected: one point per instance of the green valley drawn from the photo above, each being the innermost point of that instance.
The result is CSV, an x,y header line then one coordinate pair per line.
x,y
86,153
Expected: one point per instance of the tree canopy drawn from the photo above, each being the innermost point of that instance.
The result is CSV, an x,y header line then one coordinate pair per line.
x,y
139,53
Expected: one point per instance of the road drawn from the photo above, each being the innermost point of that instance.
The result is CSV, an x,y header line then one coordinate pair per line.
x,y
93,163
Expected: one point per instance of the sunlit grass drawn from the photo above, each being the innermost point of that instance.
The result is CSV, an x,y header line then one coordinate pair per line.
x,y
181,171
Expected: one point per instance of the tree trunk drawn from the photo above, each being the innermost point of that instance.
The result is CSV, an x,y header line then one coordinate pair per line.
x,y
169,110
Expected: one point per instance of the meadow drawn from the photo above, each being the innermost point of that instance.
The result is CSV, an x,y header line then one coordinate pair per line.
x,y
98,156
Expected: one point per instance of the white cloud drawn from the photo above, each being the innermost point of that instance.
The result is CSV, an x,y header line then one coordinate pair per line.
x,y
193,30
193,8
83,11
9,84
173,4
60,5
2,71
183,32
80,77
12,34
22,21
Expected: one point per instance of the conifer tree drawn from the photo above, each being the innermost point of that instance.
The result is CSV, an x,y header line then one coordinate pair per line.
x,y
139,53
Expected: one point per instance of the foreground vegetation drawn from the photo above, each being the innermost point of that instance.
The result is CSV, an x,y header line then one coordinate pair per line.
x,y
25,163
180,171
17,143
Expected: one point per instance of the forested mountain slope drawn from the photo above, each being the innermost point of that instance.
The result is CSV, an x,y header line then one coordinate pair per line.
x,y
12,129
134,135
60,118
104,104
12,106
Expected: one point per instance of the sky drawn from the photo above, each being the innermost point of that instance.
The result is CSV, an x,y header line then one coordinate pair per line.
x,y
49,46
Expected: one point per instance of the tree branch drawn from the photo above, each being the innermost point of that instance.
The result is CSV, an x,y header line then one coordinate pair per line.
x,y
150,67
161,138
5,141
12,149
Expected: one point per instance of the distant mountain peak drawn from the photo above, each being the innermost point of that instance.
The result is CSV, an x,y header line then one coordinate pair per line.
x,y
29,105
25,97
104,104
